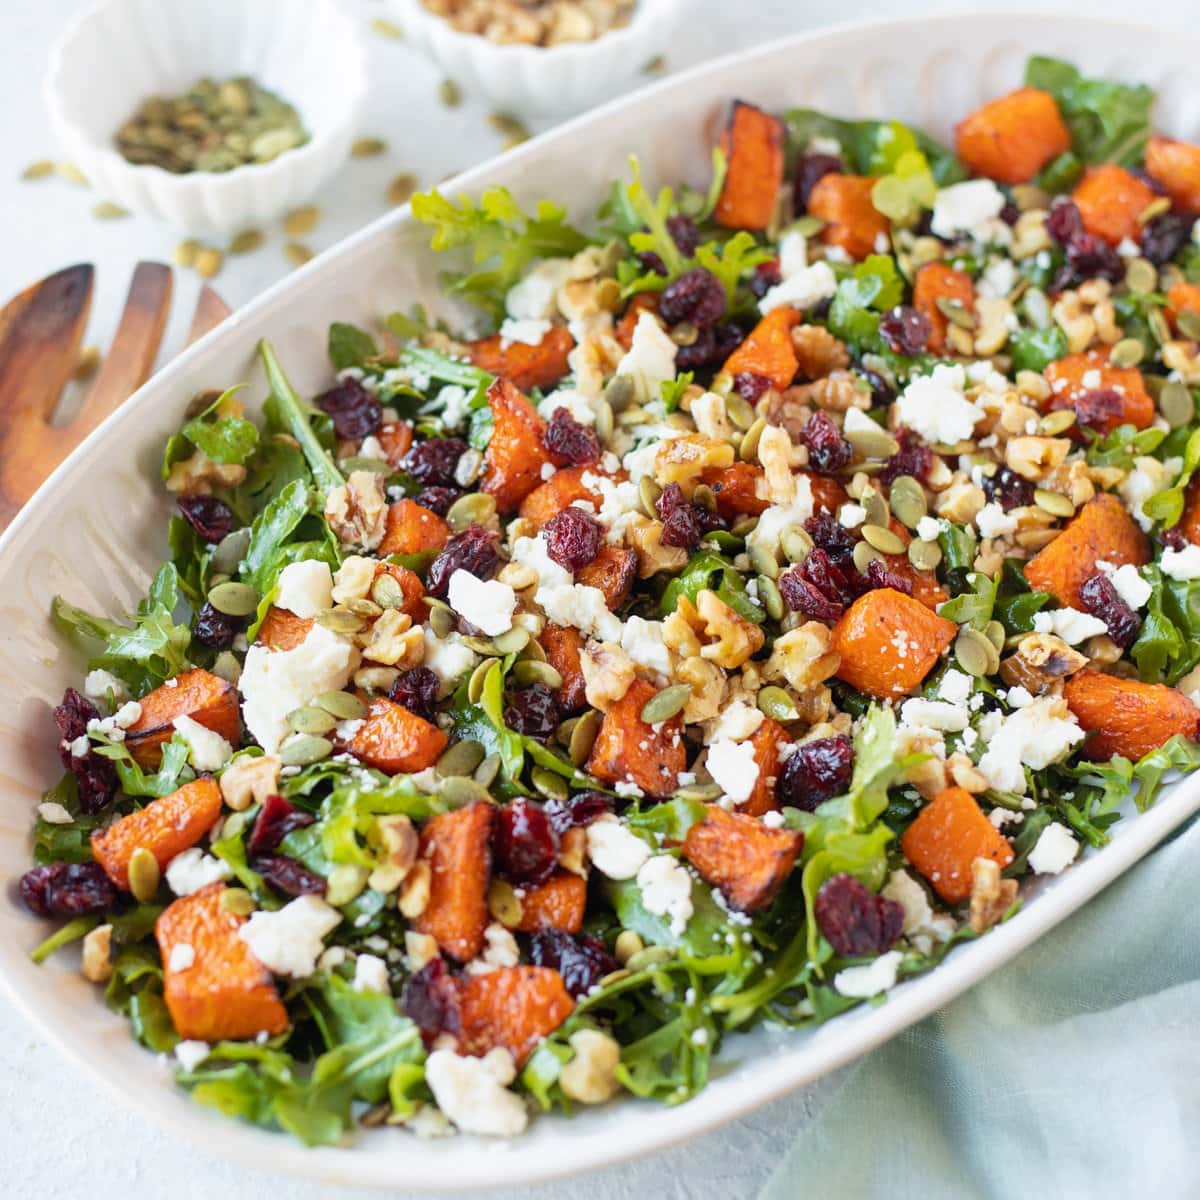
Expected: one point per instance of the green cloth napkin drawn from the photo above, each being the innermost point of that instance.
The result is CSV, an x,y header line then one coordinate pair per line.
x,y
1072,1072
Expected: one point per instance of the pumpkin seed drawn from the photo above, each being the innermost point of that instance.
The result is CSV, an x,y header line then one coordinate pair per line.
x,y
227,667
303,749
302,220
1160,328
704,497
476,508
777,704
340,620
106,210
549,783
345,883
925,556
510,128
877,509
764,561
872,443
386,28
41,169
143,874
1176,404
1189,323
461,758
684,334
748,450
530,671
975,652
449,93
298,253
649,494
771,598
460,790
908,501
656,66
883,539
367,147
237,901
583,736
956,313
1054,423
185,253
700,791
743,527
367,609
632,415
864,555
234,599
628,944
533,652
1055,503
479,645
401,189
651,956
343,705
247,241
441,621
386,592
604,422
487,770
1128,352
70,172
87,363
515,640
994,632
468,468
208,262
1155,208
795,544
504,904
1141,275
478,678
740,411
308,719
664,705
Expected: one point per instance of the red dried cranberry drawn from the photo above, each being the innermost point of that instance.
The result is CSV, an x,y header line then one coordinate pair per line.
x,y
811,169
854,920
1008,489
913,458
766,276
431,463
696,297
72,717
652,262
276,819
430,1000
94,774
684,234
1097,408
532,711
216,629
819,588
684,524
524,844
830,535
1172,538
878,576
473,550
1089,257
582,962
1010,214
1064,222
417,689
882,392
355,411
573,538
750,386
815,772
288,876
1163,236
575,444
438,499
577,811
905,330
1099,596
212,519
68,890
828,451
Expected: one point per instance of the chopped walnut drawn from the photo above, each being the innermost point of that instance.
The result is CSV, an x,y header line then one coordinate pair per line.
x,y
354,578
96,961
375,679
775,455
198,475
645,536
1183,357
837,392
965,774
250,781
732,639
1073,480
682,460
1032,457
708,689
572,852
393,641
398,840
1041,661
607,673
991,896
414,891
929,775
961,501
996,319
357,512
803,657
818,352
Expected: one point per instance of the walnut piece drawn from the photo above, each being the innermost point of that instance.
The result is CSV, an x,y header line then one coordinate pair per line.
x,y
250,781
803,657
991,896
357,512
607,673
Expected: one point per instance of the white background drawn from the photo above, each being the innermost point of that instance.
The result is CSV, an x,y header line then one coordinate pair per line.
x,y
62,1135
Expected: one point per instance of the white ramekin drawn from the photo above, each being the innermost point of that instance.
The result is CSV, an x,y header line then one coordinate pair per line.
x,y
536,81
121,51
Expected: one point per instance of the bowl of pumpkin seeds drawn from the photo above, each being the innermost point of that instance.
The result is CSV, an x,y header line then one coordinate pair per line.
x,y
213,117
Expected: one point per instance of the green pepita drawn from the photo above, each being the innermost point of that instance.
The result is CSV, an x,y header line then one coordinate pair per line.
x,y
925,556
303,749
1141,275
1054,423
462,758
549,783
664,705
908,501
478,678
469,467
740,411
975,652
764,561
227,667
748,450
441,620
583,736
795,544
143,874
342,705
1160,328
648,496
604,422
301,220
872,443
367,147
1128,352
386,592
504,904
994,632
770,598
309,719
883,539
234,599
530,671
704,497
956,313
485,774
628,944
298,253
703,792
460,790
876,507
1055,503
511,642
449,93
340,620
620,392
777,704
533,652
1188,321
479,645
476,508
1155,208
237,901
345,883
1176,404
42,169
864,555
208,262
247,241
106,210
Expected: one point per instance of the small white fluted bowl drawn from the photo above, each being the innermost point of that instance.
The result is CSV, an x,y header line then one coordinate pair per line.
x,y
544,81
121,51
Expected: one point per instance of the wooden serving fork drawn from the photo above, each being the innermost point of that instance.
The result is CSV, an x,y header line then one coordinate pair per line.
x,y
41,331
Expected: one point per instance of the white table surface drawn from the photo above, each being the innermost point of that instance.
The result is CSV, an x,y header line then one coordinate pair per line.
x,y
63,1135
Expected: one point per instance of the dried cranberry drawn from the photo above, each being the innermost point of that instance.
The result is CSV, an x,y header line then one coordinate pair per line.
x,y
1096,409
1089,257
438,499
1172,538
417,689
72,717
95,775
431,463
1164,235
811,170
473,550
766,276
905,330
68,890
532,711
818,587
1099,596
828,451
913,458
288,876
815,772
276,819
355,412
684,234
854,920
696,297
573,538
567,439
828,533
882,392
1010,214
1008,489
430,1000
577,811
878,576
212,519
1064,222
216,629
750,386
700,353
652,262
582,962
524,843
684,524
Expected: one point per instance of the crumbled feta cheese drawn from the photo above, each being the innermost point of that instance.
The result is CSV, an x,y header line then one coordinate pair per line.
x,y
1181,564
1000,817
456,405
372,447
582,607
851,516
290,940
870,979
1018,697
934,406
128,714
650,361
643,641
1148,478
808,286
448,659
1055,850
857,421
969,209
529,331
732,766
929,528
992,521
533,298
955,686
192,869
371,974
1034,736
98,684
500,950
620,502
910,895
773,819
998,279
781,517
1128,581
190,1054
934,714
305,588
736,723
533,552
182,957
615,851
209,751
1069,624
487,603
576,403
473,1092
54,813
667,890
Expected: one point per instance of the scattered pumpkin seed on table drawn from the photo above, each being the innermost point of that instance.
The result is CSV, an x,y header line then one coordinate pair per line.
x,y
367,147
208,262
449,93
298,253
301,220
42,169
247,241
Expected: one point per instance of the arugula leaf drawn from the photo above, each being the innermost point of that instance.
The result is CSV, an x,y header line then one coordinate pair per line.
x,y
72,931
349,346
1167,506
1121,446
1036,349
1168,644
271,538
731,260
974,607
172,773
65,843
221,432
701,572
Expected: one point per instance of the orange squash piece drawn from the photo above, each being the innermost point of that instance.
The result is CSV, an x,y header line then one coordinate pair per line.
x,y
166,827
889,642
525,366
411,588
1010,139
739,855
843,202
768,350
627,749
1126,716
1102,531
1182,297
1176,165
562,645
560,491
766,740
226,993
642,302
199,694
1073,377
614,571
412,529
558,903
1110,199
514,458
827,493
925,585
736,489
936,281
457,846
393,740
1189,523
753,143
946,837
396,440
513,1007
282,629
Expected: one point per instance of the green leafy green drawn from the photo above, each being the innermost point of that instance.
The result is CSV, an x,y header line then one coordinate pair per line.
x,y
731,260
172,773
220,431
1168,643
350,346
974,607
1122,445
276,538
1167,506
703,569
1036,349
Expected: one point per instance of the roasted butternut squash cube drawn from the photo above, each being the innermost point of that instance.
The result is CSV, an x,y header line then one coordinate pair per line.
x,y
844,203
394,740
281,629
1126,716
524,366
1010,139
513,1007
628,750
457,846
936,281
199,694
1176,165
753,142
768,350
1110,200
559,903
514,458
738,854
1073,377
412,529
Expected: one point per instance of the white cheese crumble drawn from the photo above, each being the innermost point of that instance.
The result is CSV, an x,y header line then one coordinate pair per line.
x,y
803,289
582,607
534,553
667,890
192,870
934,714
487,603
929,528
1055,850
998,279
851,516
1128,581
1181,564
643,641
650,361
621,502
736,723
128,714
448,659
1033,736
305,588
971,209
956,686
870,979
500,950
992,521
371,974
290,940
529,331
189,1054
615,851
456,405
208,751
780,517
576,403
934,406
1069,624
182,957
1148,478
98,684
54,813
732,766
473,1092
533,298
